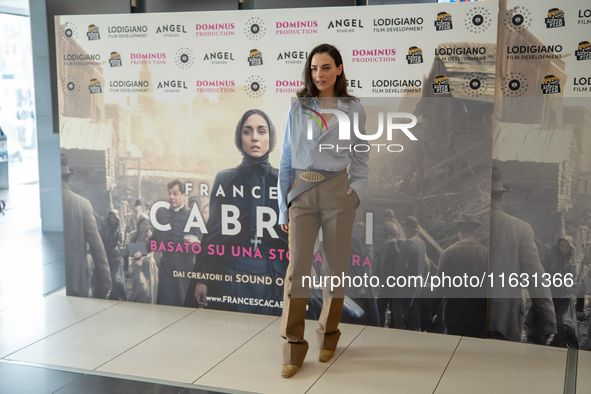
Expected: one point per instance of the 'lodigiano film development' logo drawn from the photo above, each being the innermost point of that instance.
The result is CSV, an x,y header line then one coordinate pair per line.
x,y
478,20
255,87
555,18
443,21
68,32
584,51
551,85
475,84
255,28
93,33
316,119
71,86
415,55
441,85
514,84
518,19
255,58
184,58
95,86
115,59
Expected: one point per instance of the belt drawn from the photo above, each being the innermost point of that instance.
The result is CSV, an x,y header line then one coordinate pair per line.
x,y
311,179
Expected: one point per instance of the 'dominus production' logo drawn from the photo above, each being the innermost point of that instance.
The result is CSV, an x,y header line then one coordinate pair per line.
x,y
115,60
71,86
288,86
93,33
384,55
297,27
95,86
255,28
551,85
514,84
184,58
214,29
443,21
255,58
478,20
68,32
441,85
584,51
518,19
555,18
255,86
415,55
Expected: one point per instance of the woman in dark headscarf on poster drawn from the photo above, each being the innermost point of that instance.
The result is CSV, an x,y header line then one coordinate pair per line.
x,y
251,190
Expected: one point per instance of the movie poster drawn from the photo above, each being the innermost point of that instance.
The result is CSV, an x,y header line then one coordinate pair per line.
x,y
175,202
542,144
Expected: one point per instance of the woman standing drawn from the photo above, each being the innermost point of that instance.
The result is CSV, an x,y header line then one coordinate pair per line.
x,y
144,271
315,191
559,261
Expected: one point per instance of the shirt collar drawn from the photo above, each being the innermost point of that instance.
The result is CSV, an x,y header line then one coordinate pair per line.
x,y
341,105
179,208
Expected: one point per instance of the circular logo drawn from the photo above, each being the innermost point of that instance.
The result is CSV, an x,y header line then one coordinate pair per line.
x,y
475,84
478,20
255,28
68,32
255,86
184,58
517,19
71,86
514,84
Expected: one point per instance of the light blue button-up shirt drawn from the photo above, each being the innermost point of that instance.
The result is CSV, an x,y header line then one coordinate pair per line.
x,y
298,152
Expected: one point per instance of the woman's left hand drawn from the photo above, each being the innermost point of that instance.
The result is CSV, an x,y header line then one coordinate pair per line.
x,y
350,191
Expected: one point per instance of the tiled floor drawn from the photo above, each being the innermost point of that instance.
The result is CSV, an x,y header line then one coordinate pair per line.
x,y
50,343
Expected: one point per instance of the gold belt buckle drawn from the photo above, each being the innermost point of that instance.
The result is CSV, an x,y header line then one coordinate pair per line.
x,y
311,176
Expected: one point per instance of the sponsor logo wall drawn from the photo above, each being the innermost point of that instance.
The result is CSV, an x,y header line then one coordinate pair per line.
x,y
543,96
159,97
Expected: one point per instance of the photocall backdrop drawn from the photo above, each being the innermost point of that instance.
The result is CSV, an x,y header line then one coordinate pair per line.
x,y
146,98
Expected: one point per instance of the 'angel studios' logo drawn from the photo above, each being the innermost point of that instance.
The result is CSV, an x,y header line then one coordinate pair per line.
x,y
551,85
441,85
475,84
184,58
518,19
514,84
71,87
68,32
255,86
443,21
255,58
115,60
584,51
93,33
555,18
415,55
478,20
95,86
255,28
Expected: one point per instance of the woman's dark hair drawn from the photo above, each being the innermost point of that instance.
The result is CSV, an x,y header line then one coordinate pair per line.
x,y
248,114
309,89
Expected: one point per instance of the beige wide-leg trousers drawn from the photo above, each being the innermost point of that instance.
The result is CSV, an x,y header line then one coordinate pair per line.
x,y
328,206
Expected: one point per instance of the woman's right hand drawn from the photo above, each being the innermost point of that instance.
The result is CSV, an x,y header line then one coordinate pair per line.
x,y
137,255
285,227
